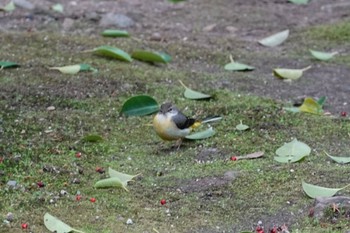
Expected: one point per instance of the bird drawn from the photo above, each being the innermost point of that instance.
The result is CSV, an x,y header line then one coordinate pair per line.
x,y
171,124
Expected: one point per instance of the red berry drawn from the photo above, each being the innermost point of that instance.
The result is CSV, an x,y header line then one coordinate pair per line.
x,y
233,158
24,226
163,202
93,199
78,154
100,170
78,197
343,114
40,184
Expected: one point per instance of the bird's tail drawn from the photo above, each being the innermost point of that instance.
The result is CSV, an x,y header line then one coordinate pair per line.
x,y
206,120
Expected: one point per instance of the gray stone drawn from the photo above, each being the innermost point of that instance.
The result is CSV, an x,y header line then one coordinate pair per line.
x,y
118,20
12,183
24,4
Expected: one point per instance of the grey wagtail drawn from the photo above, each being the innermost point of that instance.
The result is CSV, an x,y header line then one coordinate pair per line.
x,y
171,124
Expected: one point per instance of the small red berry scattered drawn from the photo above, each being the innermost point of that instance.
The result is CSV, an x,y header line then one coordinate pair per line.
x,y
163,202
40,184
273,230
343,114
259,229
233,158
93,199
78,197
100,170
78,154
24,226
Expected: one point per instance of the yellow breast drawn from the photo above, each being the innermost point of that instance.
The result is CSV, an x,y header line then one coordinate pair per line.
x,y
167,129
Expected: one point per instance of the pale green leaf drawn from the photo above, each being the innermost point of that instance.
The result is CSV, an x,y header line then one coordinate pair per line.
x,y
275,39
314,191
293,148
202,134
289,159
236,66
140,105
242,127
291,74
292,109
323,56
8,7
299,2
53,224
117,179
194,95
73,69
339,159
58,8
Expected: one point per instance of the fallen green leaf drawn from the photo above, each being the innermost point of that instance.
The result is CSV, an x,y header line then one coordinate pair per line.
x,y
323,56
58,8
92,138
289,159
117,179
112,52
202,134
242,127
149,56
338,159
235,66
115,33
299,2
311,106
314,191
8,7
291,74
321,100
140,105
193,95
7,64
292,109
275,39
293,148
73,69
53,224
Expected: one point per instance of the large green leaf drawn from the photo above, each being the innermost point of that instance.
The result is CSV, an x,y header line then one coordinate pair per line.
x,y
202,134
112,52
339,159
314,191
291,74
293,148
275,39
8,64
53,224
140,105
323,56
193,95
148,56
115,33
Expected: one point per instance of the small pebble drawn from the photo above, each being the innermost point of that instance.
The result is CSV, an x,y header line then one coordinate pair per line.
x,y
129,221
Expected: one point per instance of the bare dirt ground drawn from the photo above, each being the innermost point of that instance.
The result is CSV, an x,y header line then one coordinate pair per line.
x,y
223,26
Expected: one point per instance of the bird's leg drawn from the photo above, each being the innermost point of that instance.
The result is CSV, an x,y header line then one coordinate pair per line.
x,y
178,143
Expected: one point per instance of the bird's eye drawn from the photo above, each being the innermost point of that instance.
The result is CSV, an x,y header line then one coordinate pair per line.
x,y
170,110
